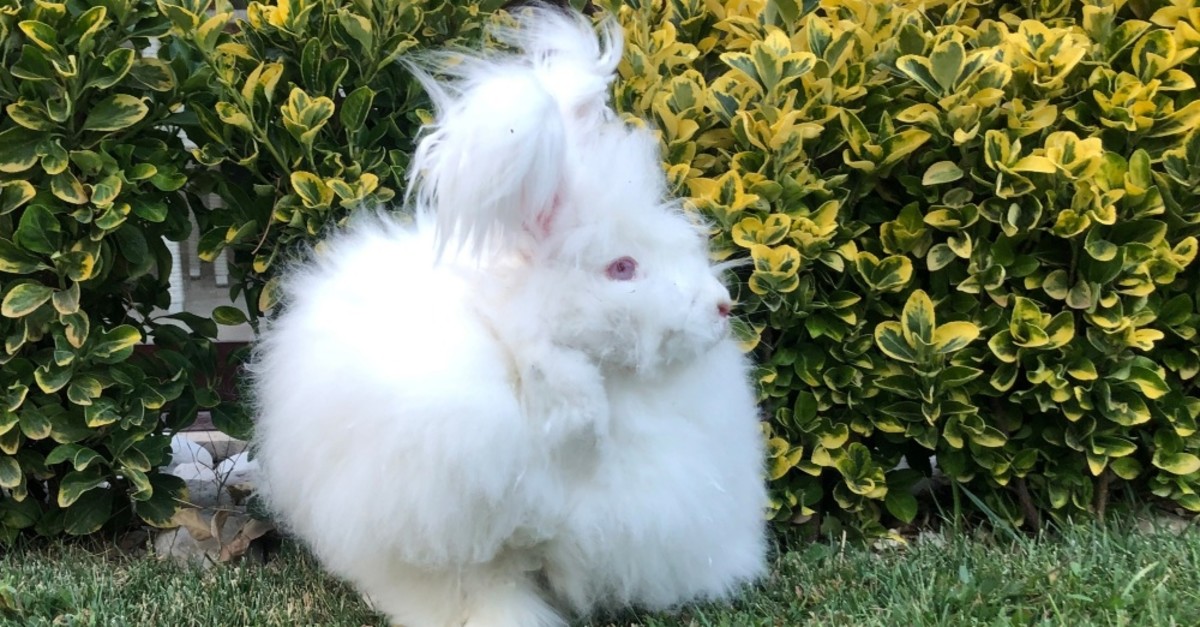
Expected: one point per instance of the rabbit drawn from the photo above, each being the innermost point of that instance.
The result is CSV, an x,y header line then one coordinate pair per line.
x,y
520,401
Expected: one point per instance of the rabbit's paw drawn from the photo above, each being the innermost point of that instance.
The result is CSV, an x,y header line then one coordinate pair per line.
x,y
565,392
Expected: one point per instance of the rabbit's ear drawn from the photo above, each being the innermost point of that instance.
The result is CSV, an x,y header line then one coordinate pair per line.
x,y
492,166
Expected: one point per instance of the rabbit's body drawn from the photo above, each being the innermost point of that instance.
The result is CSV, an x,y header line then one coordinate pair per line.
x,y
555,418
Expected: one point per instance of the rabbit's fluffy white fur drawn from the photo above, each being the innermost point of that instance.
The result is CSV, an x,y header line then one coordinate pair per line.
x,y
524,402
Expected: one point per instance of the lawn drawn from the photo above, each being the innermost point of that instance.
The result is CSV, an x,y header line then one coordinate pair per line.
x,y
1122,573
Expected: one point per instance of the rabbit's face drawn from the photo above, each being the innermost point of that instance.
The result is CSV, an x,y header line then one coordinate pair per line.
x,y
638,294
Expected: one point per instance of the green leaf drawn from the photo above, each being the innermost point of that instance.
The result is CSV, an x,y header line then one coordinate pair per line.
x,y
87,24
1113,446
1098,248
742,62
989,437
920,69
207,35
81,457
60,109
14,194
168,178
10,441
133,246
954,336
939,256
117,65
8,419
805,410
888,275
211,244
67,188
358,27
1127,468
100,413
83,389
150,211
19,514
1178,463
956,376
24,299
88,513
55,160
154,74
918,319
230,114
312,190
30,115
116,341
16,396
228,316
40,34
76,483
901,504
18,149
902,144
357,107
139,483
10,472
1003,348
34,424
945,64
942,172
1081,296
1055,284
233,421
303,116
1061,329
114,113
106,190
890,338
39,231
78,264
76,327
1149,382
181,16
160,507
52,377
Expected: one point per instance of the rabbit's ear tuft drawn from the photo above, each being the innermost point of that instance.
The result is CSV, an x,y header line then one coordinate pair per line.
x,y
494,166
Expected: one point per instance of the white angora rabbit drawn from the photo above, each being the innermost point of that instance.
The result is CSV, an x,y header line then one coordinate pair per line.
x,y
525,403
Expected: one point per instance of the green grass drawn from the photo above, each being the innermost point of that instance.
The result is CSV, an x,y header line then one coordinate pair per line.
x,y
1085,575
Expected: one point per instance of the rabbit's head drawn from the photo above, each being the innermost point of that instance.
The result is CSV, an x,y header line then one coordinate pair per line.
x,y
528,168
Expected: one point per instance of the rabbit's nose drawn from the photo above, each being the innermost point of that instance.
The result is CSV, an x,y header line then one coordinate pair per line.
x,y
724,308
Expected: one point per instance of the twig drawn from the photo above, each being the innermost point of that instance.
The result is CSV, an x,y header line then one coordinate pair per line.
x,y
1027,506
1101,503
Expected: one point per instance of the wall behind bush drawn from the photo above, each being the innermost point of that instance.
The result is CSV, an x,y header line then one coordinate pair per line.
x,y
971,225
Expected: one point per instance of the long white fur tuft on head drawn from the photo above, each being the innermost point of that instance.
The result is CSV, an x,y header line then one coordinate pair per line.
x,y
494,165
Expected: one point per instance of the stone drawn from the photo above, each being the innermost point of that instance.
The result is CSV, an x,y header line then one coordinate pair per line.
x,y
238,469
185,451
205,488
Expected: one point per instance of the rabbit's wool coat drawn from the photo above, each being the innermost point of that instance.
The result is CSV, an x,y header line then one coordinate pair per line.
x,y
486,435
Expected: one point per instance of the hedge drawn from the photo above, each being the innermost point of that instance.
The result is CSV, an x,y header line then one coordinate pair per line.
x,y
970,227
91,174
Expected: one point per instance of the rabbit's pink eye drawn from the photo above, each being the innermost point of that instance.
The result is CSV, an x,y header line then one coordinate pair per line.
x,y
622,269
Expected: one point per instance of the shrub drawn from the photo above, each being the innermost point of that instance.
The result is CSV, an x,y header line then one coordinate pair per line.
x,y
89,180
307,114
970,226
